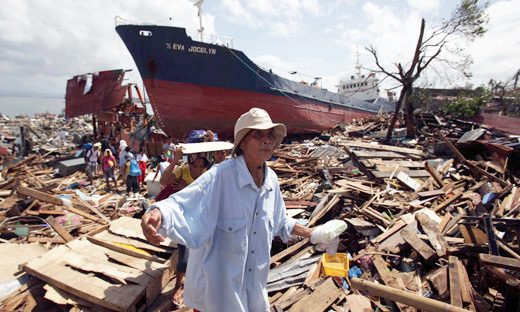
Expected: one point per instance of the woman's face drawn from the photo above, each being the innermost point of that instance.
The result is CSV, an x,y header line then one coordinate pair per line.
x,y
258,145
219,156
197,168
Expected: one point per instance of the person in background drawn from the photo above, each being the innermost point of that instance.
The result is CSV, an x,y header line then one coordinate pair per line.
x,y
142,160
109,167
106,144
169,150
219,156
122,162
132,173
228,218
176,180
93,157
160,168
122,145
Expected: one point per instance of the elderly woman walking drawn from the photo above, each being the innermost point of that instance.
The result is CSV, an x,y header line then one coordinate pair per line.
x,y
228,218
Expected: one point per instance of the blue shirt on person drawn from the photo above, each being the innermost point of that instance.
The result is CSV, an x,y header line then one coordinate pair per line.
x,y
229,223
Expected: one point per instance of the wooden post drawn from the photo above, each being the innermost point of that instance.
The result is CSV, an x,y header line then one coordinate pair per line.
x,y
402,296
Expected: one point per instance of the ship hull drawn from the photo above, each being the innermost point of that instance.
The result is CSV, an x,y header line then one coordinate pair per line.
x,y
180,108
195,85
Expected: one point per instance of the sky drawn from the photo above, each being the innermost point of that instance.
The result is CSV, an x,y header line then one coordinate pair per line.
x,y
45,43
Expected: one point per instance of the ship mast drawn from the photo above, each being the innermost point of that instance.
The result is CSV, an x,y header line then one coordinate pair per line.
x,y
198,4
358,66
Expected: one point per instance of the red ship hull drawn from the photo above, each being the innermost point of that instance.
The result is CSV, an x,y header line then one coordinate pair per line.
x,y
181,107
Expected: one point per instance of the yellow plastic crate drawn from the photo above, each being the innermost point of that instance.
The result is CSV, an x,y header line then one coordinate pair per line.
x,y
335,265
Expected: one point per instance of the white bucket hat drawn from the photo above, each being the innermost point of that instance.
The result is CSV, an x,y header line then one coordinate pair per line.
x,y
257,118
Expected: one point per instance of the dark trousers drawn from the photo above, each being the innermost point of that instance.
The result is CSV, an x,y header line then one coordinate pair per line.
x,y
132,184
182,258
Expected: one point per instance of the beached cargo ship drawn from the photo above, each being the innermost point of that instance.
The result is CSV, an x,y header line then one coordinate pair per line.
x,y
197,85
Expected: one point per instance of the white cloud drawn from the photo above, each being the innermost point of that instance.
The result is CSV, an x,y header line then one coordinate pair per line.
x,y
44,43
424,6
496,55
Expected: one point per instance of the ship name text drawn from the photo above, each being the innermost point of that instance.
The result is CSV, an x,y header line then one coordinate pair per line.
x,y
192,49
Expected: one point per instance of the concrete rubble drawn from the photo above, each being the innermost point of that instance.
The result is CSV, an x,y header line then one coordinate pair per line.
x,y
433,223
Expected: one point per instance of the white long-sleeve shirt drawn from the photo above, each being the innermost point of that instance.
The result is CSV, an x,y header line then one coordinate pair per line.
x,y
229,224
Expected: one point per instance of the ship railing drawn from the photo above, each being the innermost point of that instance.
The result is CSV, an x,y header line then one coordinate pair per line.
x,y
212,39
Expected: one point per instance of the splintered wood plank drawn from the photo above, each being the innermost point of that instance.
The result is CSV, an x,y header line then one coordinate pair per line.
x,y
91,288
413,240
41,196
320,299
386,276
501,262
131,228
393,163
439,280
448,201
434,175
59,229
105,235
124,250
455,290
359,303
473,235
158,274
466,287
408,181
383,147
399,224
411,173
87,263
374,154
282,254
431,229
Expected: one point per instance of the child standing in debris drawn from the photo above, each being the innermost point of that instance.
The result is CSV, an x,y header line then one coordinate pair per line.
x,y
228,218
93,156
109,165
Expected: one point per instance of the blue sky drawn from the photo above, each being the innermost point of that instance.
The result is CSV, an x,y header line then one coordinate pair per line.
x,y
44,43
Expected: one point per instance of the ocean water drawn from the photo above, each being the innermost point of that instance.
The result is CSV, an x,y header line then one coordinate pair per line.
x,y
17,105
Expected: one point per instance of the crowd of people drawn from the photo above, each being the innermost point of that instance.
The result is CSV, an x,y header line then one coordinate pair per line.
x,y
130,167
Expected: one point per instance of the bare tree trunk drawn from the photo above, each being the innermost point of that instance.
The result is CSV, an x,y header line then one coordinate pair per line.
x,y
402,98
410,125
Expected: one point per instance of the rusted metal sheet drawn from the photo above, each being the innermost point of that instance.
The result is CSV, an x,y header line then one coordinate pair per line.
x,y
508,125
91,93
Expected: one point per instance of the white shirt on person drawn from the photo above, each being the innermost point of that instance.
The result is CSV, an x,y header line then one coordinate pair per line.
x,y
228,223
141,157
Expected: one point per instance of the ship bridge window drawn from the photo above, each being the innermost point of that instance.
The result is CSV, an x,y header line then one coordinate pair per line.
x,y
145,33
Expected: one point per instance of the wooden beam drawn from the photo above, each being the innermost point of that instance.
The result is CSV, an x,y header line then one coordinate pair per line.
x,y
434,175
41,196
124,250
454,277
402,296
447,202
413,240
59,229
501,262
434,235
284,253
320,299
383,147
